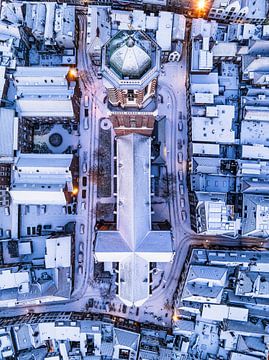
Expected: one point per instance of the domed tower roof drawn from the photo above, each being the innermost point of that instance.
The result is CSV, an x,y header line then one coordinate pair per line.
x,y
130,59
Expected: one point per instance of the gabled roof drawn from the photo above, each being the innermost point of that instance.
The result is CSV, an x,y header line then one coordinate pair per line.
x,y
126,338
134,244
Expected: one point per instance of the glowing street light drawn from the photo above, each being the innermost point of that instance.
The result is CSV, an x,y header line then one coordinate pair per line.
x,y
75,191
201,4
175,317
72,73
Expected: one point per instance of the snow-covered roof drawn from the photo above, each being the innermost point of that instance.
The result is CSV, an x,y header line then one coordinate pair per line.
x,y
9,127
45,107
134,244
130,60
58,252
41,178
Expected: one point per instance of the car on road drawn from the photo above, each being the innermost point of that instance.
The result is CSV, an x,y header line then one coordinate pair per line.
x,y
82,228
183,215
86,101
180,125
83,205
180,157
84,181
80,257
99,75
180,175
42,209
182,202
39,229
179,144
84,166
181,189
86,123
80,269
84,193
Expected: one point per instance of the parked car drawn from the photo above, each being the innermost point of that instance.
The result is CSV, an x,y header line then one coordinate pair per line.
x,y
99,75
82,228
8,233
86,101
80,257
39,229
64,210
84,166
80,269
81,246
183,215
7,211
84,181
84,192
47,227
86,123
182,202
42,209
180,157
180,175
179,144
180,125
83,205
181,189
1,232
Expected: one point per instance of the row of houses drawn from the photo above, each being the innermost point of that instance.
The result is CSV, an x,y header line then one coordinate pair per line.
x,y
228,121
38,91
82,336
221,310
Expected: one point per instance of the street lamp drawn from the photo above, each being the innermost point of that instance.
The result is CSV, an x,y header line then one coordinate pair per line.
x,y
72,73
75,191
201,5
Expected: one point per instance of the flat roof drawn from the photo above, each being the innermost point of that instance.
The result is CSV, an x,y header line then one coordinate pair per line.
x,y
255,152
205,149
254,132
9,128
58,252
45,107
218,128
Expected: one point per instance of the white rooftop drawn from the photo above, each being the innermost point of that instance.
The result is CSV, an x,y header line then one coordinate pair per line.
x,y
220,312
134,244
217,127
58,252
41,178
8,133
255,152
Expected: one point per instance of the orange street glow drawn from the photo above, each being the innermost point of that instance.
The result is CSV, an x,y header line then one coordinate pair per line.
x,y
75,191
72,72
201,4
